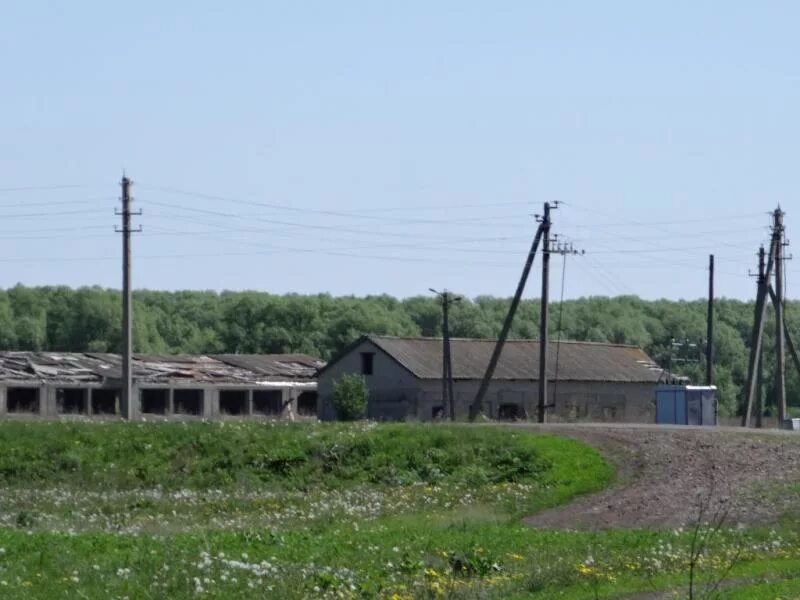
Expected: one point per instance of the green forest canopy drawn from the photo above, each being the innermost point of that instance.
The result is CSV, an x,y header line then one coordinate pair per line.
x,y
88,319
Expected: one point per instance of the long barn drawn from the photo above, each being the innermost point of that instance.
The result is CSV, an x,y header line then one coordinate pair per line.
x,y
56,384
588,381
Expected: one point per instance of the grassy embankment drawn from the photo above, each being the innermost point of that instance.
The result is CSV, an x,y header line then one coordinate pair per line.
x,y
307,511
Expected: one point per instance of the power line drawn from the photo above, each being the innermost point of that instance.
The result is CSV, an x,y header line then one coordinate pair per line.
x,y
670,236
286,224
645,250
19,232
293,230
714,219
443,246
42,203
275,250
36,188
43,214
663,249
284,207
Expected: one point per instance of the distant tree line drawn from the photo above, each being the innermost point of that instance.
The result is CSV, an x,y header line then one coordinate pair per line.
x,y
88,319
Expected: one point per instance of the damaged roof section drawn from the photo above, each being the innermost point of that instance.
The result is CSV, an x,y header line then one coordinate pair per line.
x,y
95,368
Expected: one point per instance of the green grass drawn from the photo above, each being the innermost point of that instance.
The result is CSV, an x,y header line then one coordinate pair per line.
x,y
165,510
276,456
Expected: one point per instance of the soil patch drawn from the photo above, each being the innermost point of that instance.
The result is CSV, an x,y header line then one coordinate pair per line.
x,y
665,473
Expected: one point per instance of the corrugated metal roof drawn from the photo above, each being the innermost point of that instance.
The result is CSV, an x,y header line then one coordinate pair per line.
x,y
577,361
77,368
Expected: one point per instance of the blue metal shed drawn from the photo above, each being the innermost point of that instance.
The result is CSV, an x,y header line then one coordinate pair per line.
x,y
686,405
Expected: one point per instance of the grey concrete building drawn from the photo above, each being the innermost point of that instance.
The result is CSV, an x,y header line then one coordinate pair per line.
x,y
56,384
588,381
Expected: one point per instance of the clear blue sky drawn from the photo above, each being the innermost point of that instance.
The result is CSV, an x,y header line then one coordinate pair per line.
x,y
363,147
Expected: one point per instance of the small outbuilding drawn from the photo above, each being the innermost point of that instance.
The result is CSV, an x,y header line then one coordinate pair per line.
x,y
588,381
686,405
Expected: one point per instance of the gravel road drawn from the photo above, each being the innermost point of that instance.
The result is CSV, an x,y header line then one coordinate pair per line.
x,y
665,473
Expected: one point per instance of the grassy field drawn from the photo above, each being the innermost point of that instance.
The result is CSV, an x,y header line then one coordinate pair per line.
x,y
232,510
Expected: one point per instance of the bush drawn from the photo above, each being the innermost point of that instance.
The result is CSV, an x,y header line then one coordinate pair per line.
x,y
350,396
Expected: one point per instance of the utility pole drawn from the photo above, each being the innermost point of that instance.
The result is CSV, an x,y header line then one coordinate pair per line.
x,y
757,336
127,316
760,375
477,404
543,318
780,344
564,249
710,324
447,360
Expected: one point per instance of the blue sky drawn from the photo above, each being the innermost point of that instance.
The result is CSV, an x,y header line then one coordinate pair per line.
x,y
363,147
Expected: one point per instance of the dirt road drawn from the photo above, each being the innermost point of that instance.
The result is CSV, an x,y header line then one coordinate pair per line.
x,y
664,473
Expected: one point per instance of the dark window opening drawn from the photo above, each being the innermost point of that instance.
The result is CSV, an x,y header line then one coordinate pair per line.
x,y
509,412
307,404
105,402
367,360
437,412
233,402
268,402
155,401
71,401
188,402
609,413
22,400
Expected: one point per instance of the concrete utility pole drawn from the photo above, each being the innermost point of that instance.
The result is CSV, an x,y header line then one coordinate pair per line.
x,y
780,344
543,318
710,324
760,375
477,405
757,336
564,249
447,360
126,407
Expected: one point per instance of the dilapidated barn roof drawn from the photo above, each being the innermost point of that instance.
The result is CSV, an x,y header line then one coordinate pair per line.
x,y
85,368
576,361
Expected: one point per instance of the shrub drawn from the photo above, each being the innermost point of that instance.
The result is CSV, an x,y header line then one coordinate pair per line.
x,y
350,396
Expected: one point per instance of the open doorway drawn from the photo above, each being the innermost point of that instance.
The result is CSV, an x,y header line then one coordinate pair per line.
x,y
154,401
71,401
188,402
233,402
22,400
105,402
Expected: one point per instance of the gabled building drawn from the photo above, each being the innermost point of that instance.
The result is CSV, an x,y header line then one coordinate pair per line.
x,y
588,381
54,384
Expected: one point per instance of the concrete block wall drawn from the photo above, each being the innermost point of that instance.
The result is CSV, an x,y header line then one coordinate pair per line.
x,y
48,406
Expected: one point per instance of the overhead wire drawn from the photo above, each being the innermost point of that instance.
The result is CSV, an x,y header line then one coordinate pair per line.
x,y
42,214
306,210
617,220
346,246
276,250
36,188
410,246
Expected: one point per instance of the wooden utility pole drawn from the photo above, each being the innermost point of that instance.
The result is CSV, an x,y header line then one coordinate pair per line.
x,y
543,318
780,344
710,324
447,360
126,407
